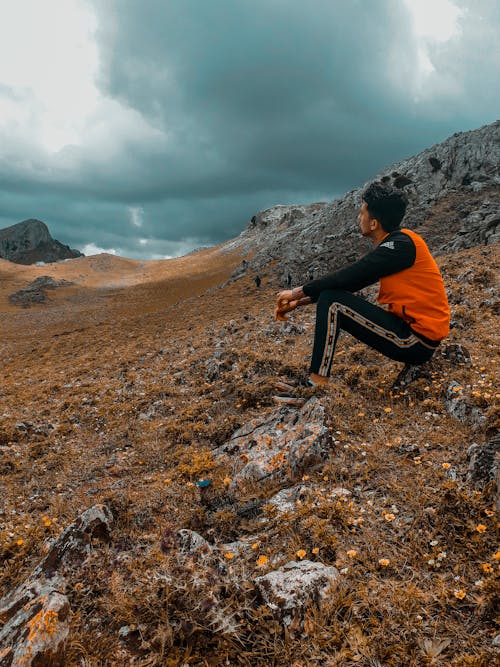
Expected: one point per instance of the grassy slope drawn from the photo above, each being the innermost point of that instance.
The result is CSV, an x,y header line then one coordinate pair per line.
x,y
116,382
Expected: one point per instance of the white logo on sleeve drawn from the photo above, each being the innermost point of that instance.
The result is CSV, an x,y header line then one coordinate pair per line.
x,y
388,244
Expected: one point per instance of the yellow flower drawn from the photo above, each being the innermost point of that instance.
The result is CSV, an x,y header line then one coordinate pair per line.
x,y
227,480
301,553
417,460
389,517
460,594
486,567
229,555
315,550
255,545
262,560
78,586
20,543
496,556
446,466
480,528
351,553
384,562
306,478
376,421
59,485
387,410
361,414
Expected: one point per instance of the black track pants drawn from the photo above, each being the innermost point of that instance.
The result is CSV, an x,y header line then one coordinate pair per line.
x,y
340,310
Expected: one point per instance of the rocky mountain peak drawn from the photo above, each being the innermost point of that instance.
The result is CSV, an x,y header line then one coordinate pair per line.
x,y
454,201
30,241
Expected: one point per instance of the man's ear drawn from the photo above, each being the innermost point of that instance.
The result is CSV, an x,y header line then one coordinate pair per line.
x,y
374,223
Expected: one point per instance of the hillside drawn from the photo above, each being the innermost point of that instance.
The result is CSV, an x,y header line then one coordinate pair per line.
x,y
135,400
358,527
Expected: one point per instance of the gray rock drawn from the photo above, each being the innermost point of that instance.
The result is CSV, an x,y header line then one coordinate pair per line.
x,y
484,462
282,444
36,615
291,588
456,353
458,407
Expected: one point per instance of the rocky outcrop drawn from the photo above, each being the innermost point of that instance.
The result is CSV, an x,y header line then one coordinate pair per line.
x,y
30,241
36,615
282,444
35,292
454,201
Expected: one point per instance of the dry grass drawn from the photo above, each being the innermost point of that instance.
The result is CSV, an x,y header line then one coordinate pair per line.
x,y
124,411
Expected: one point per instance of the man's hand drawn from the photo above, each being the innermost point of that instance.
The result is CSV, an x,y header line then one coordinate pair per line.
x,y
288,300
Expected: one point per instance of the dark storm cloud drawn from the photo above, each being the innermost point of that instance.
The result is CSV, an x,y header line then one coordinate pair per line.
x,y
239,105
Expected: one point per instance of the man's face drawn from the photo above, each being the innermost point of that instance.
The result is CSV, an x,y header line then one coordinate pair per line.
x,y
365,220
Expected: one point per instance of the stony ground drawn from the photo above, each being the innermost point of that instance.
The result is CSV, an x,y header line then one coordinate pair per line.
x,y
121,396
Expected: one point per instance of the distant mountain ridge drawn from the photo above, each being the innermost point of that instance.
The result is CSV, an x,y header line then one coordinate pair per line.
x,y
30,241
454,202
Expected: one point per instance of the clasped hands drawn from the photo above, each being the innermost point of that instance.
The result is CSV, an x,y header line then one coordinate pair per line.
x,y
288,300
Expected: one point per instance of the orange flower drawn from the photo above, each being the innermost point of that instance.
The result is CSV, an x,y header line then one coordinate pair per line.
x,y
262,560
387,410
384,562
389,517
460,594
361,414
351,553
255,545
496,556
446,466
301,553
227,480
20,543
486,567
229,555
78,586
315,550
480,528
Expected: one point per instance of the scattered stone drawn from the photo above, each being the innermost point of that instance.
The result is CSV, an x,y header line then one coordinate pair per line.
x,y
484,462
456,353
286,500
410,373
290,589
278,445
457,406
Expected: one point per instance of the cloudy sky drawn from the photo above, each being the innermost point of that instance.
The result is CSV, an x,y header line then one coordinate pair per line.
x,y
148,128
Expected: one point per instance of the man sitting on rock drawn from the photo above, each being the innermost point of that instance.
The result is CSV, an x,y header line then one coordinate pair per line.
x,y
417,315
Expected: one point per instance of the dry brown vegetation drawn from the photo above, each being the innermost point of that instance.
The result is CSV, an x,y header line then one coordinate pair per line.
x,y
114,382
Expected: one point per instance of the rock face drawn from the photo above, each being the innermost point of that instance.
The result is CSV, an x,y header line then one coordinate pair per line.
x,y
454,201
30,241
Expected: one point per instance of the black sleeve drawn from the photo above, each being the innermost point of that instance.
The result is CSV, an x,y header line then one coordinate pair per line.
x,y
395,253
